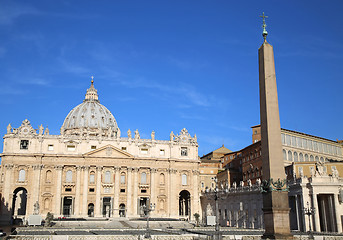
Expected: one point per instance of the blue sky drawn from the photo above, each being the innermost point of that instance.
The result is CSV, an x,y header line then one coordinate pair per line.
x,y
166,65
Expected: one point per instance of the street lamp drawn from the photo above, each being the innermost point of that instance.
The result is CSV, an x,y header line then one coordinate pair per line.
x,y
217,235
309,211
147,210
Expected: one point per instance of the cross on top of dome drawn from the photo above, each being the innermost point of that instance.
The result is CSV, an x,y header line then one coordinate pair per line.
x,y
92,93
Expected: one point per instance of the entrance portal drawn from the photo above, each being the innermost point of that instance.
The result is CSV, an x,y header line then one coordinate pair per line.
x,y
19,202
106,207
143,203
67,206
184,203
122,210
91,210
327,216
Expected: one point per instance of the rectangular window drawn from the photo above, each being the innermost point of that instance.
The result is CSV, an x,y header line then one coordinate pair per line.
x,y
123,149
184,179
91,190
122,179
68,189
71,148
122,190
93,147
184,151
50,147
162,152
24,144
144,151
92,178
143,191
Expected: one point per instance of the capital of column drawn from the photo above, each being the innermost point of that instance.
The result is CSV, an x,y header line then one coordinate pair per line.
x,y
85,168
59,167
38,167
78,168
153,170
99,168
9,166
195,171
135,169
117,169
172,170
130,169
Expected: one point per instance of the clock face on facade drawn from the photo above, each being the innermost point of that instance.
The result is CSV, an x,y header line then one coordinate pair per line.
x,y
25,130
184,139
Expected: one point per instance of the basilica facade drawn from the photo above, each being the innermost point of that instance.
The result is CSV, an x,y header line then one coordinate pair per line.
x,y
91,171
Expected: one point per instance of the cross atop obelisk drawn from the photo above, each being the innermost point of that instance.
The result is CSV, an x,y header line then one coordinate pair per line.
x,y
275,194
264,26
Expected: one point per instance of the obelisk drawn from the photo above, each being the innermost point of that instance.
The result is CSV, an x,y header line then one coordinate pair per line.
x,y
275,194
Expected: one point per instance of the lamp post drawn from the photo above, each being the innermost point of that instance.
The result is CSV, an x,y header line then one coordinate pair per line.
x,y
217,235
147,210
309,211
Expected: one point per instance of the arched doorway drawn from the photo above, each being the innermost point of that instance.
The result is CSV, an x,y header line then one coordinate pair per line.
x,y
122,210
19,202
184,203
91,210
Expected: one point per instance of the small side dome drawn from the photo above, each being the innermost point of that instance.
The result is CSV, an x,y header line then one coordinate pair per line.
x,y
90,118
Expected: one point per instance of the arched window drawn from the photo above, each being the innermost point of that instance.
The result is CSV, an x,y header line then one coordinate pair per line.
x,y
162,179
321,159
290,156
143,178
122,178
311,158
317,159
48,176
92,177
301,157
21,175
306,158
295,156
284,154
184,179
69,176
107,177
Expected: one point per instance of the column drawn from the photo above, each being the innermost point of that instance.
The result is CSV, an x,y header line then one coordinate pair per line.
x,y
35,193
116,191
77,191
7,186
169,193
196,202
59,169
173,196
98,192
153,187
85,191
338,217
315,220
129,192
135,191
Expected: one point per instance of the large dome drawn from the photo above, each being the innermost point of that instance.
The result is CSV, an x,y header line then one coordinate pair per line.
x,y
90,118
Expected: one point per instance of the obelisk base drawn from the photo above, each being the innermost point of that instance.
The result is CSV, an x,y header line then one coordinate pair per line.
x,y
276,215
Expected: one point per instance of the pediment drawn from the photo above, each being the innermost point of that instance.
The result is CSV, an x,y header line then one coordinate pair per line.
x,y
108,151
